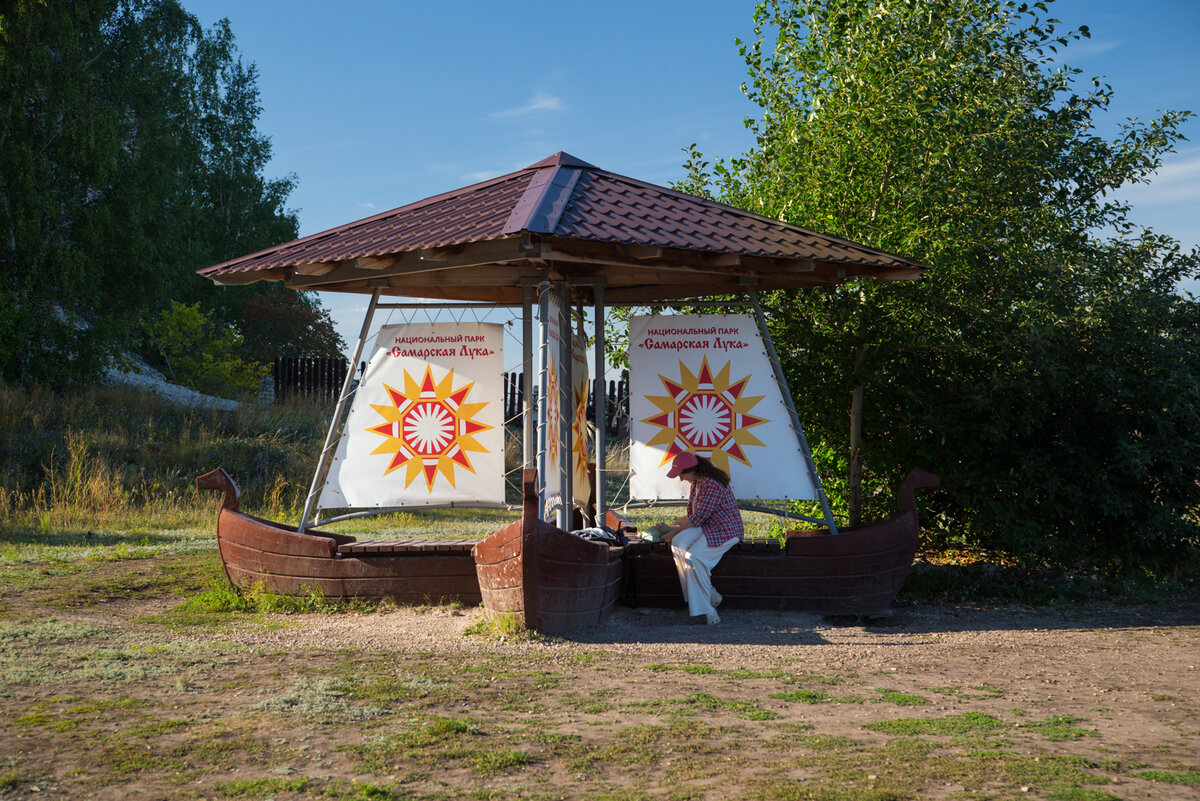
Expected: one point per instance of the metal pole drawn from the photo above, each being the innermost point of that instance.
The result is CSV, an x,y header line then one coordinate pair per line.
x,y
601,408
761,319
335,424
566,400
543,376
528,419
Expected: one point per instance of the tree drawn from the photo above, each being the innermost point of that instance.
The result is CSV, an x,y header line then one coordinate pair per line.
x,y
129,157
1046,364
200,354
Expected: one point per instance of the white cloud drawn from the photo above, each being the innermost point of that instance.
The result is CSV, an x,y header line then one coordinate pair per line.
x,y
1174,182
1087,48
539,102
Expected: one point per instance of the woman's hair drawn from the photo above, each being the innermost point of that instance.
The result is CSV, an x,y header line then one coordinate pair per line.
x,y
707,469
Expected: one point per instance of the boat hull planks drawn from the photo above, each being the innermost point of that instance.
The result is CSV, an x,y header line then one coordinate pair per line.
x,y
858,572
275,556
550,580
556,582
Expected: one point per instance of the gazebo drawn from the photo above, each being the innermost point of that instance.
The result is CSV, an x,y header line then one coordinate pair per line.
x,y
557,233
564,223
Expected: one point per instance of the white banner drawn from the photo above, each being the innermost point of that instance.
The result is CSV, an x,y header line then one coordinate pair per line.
x,y
704,384
550,417
426,425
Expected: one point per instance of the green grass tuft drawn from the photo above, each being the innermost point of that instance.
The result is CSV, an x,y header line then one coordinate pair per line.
x,y
259,788
900,699
504,626
966,723
1190,778
815,697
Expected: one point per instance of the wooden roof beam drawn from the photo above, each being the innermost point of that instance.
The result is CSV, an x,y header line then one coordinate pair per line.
x,y
484,253
246,277
320,268
644,252
374,262
439,254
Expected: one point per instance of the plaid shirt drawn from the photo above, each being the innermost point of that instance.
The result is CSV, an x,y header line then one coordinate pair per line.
x,y
712,507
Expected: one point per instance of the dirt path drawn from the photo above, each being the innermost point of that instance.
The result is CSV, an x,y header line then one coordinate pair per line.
x,y
934,702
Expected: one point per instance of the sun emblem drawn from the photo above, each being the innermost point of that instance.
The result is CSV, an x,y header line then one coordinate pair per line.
x,y
579,431
706,415
430,428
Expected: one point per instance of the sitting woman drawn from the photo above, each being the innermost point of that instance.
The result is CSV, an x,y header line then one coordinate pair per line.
x,y
712,525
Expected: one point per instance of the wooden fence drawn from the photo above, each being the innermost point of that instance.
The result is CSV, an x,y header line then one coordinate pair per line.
x,y
321,380
314,379
616,406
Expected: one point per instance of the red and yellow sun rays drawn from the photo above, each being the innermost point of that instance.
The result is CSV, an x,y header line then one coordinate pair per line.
x,y
430,428
705,414
579,435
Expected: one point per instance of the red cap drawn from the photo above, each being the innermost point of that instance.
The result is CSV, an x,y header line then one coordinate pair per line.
x,y
683,462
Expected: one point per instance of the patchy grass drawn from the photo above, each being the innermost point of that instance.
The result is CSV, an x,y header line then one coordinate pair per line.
x,y
260,788
439,742
321,699
695,702
972,692
179,576
1190,778
900,699
951,725
1060,728
815,697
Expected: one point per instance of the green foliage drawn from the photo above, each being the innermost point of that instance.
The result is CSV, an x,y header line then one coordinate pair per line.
x,y
203,355
1046,365
129,157
282,322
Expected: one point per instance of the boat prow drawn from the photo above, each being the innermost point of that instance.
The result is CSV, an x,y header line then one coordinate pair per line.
x,y
277,557
551,580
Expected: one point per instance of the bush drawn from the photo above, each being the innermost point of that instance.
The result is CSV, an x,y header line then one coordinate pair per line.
x,y
202,355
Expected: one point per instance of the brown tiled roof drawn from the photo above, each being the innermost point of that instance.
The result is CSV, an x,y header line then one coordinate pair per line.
x,y
646,242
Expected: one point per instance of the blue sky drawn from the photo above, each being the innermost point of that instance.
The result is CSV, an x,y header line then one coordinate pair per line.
x,y
374,104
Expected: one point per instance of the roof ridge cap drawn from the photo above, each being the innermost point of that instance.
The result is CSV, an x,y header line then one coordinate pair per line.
x,y
546,197
562,159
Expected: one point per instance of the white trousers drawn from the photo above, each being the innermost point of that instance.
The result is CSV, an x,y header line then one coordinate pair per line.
x,y
694,561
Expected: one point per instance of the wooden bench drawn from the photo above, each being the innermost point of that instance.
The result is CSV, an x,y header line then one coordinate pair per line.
x,y
753,547
390,547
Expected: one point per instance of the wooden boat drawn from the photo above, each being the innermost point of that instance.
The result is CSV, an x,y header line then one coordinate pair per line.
x,y
551,580
256,551
859,571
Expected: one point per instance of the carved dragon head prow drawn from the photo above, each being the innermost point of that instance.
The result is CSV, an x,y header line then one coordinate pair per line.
x,y
915,480
219,480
